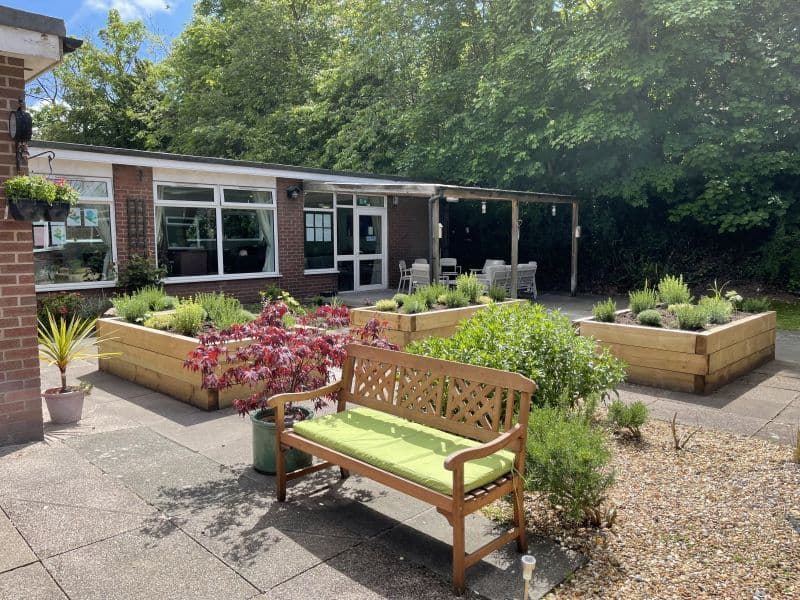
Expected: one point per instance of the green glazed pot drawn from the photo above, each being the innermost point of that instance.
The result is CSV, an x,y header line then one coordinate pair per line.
x,y
264,444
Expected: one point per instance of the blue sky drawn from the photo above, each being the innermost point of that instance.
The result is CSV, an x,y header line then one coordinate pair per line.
x,y
84,17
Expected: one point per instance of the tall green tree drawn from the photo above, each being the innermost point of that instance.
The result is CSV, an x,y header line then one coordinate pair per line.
x,y
108,92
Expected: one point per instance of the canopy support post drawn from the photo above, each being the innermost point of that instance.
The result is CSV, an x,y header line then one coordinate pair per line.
x,y
433,205
573,277
514,246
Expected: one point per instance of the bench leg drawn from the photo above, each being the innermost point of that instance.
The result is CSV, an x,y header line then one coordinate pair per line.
x,y
459,565
280,472
519,515
344,473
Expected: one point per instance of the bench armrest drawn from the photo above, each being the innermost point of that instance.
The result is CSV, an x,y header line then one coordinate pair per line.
x,y
457,459
281,399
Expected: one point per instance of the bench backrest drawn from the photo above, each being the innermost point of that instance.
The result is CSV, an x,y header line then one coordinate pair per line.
x,y
473,402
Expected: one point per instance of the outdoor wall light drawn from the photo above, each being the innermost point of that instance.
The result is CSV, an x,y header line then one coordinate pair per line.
x,y
395,201
293,192
553,210
577,232
483,208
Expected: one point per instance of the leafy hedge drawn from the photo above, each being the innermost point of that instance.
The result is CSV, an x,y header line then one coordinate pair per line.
x,y
525,338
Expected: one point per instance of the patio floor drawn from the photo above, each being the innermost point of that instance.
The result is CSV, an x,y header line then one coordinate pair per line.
x,y
151,498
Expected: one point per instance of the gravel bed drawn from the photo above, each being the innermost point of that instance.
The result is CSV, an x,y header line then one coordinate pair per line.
x,y
718,520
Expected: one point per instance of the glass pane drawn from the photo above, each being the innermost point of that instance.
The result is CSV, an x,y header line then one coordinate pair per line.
x,y
346,281
248,243
369,200
248,196
318,200
185,194
90,189
75,250
370,272
369,234
344,230
318,247
187,240
344,199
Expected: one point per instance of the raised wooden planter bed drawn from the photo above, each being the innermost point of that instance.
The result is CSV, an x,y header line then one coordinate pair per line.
x,y
403,329
688,361
154,359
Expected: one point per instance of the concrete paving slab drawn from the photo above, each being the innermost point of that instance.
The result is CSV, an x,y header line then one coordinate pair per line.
x,y
426,540
207,434
53,529
761,403
707,418
367,572
29,583
236,452
790,415
16,551
784,433
154,563
787,346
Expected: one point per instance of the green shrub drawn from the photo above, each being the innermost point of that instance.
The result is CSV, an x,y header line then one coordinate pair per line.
x,y
630,417
643,299
455,299
160,321
650,317
568,461
673,290
63,305
155,297
430,293
673,308
133,308
275,294
138,272
188,318
755,305
400,299
469,286
484,300
497,293
386,305
92,307
526,338
605,311
222,310
169,302
717,309
413,305
691,317
442,299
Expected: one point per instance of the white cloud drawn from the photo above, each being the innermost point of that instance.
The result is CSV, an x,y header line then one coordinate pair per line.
x,y
129,9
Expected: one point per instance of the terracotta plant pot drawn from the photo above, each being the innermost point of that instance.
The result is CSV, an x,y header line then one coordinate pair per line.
x,y
264,444
64,407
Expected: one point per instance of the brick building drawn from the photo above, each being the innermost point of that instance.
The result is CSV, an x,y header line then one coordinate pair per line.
x,y
217,224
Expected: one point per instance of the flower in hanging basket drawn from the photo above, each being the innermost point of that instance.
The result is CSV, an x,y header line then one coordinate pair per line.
x,y
65,192
36,188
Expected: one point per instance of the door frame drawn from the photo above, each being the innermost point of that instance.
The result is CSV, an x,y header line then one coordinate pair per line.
x,y
356,257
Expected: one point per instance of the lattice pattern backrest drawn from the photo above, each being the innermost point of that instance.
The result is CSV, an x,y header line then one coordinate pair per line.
x,y
470,401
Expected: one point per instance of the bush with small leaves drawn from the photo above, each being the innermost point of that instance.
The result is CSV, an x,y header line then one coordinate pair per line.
x,y
188,318
222,310
630,417
430,293
400,299
162,321
484,300
673,308
497,293
605,311
691,317
138,272
568,461
133,308
673,290
651,318
155,296
718,309
413,305
455,299
441,299
469,286
386,305
643,299
754,305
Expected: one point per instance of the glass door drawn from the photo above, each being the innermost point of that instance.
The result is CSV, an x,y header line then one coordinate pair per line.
x,y
370,242
361,244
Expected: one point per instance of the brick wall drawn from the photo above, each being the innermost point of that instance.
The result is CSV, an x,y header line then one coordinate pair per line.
x,y
408,233
20,400
133,183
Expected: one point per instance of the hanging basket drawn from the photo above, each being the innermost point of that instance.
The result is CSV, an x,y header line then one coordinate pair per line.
x,y
37,210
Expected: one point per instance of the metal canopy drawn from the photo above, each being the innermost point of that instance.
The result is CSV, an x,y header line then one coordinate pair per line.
x,y
436,192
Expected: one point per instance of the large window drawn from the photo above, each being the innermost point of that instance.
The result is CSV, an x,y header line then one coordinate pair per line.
x,y
77,252
208,231
318,215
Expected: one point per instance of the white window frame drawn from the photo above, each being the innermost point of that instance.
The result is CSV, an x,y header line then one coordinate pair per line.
x,y
218,205
331,211
88,285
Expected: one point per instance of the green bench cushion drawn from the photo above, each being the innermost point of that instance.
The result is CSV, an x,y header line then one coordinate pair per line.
x,y
404,448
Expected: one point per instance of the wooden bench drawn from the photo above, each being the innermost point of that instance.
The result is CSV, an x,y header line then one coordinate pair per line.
x,y
473,403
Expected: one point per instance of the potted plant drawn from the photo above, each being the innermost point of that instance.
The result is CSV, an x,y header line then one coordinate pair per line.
x,y
274,355
60,343
34,198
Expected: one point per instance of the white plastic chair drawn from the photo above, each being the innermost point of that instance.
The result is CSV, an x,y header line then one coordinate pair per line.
x,y
526,278
489,262
420,275
449,269
405,277
420,261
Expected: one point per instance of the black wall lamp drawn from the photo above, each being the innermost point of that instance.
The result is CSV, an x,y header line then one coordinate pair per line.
x,y
293,191
20,129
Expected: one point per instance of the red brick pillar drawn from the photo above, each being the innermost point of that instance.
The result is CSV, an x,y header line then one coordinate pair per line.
x,y
20,400
134,186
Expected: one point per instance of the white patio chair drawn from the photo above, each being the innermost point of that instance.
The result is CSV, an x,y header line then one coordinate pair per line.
x,y
420,261
526,278
449,269
405,277
491,275
420,275
489,262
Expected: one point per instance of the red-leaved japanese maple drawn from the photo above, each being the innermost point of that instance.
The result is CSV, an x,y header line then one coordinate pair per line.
x,y
270,357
